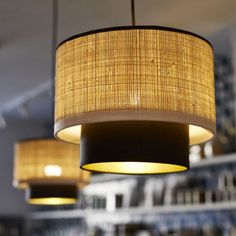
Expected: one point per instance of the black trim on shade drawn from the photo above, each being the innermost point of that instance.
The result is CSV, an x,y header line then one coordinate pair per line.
x,y
135,141
36,191
153,27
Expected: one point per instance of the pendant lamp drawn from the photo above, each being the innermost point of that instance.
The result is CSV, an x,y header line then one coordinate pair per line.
x,y
135,97
48,170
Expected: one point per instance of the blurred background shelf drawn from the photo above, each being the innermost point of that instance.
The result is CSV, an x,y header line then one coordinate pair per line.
x,y
216,160
117,183
120,215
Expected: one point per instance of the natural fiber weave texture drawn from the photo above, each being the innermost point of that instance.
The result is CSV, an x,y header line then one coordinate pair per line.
x,y
37,160
135,74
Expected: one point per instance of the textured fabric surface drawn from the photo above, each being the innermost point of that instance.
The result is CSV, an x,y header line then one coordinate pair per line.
x,y
47,160
148,71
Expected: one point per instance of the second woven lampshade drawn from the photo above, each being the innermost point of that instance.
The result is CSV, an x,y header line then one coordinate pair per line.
x,y
135,97
49,171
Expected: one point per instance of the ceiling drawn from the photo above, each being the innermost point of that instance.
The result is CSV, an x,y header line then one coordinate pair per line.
x,y
26,35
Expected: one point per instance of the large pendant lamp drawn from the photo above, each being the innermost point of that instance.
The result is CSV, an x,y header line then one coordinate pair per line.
x,y
48,170
135,97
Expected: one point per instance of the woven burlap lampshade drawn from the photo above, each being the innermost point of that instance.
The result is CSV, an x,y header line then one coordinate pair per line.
x,y
139,95
49,171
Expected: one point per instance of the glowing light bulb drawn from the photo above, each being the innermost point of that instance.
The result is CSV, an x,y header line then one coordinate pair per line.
x,y
52,170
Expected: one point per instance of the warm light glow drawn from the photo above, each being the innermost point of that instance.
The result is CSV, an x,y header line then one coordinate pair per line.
x,y
134,167
199,135
123,80
72,133
135,74
41,160
52,201
52,170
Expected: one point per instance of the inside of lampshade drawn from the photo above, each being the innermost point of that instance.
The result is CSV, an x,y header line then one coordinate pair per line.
x,y
134,167
52,201
51,194
135,147
70,134
197,134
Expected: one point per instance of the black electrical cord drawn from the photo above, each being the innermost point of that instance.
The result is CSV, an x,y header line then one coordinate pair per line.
x,y
133,12
53,50
54,35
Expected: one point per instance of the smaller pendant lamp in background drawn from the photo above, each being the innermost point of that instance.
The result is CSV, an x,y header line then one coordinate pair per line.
x,y
49,171
135,97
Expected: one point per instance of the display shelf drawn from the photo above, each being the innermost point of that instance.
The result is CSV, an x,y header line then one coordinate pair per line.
x,y
125,214
216,160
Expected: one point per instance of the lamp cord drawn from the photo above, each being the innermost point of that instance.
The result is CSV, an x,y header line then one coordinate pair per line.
x,y
133,13
53,52
54,35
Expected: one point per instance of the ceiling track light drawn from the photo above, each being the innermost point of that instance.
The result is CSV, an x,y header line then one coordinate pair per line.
x,y
24,111
135,97
3,123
